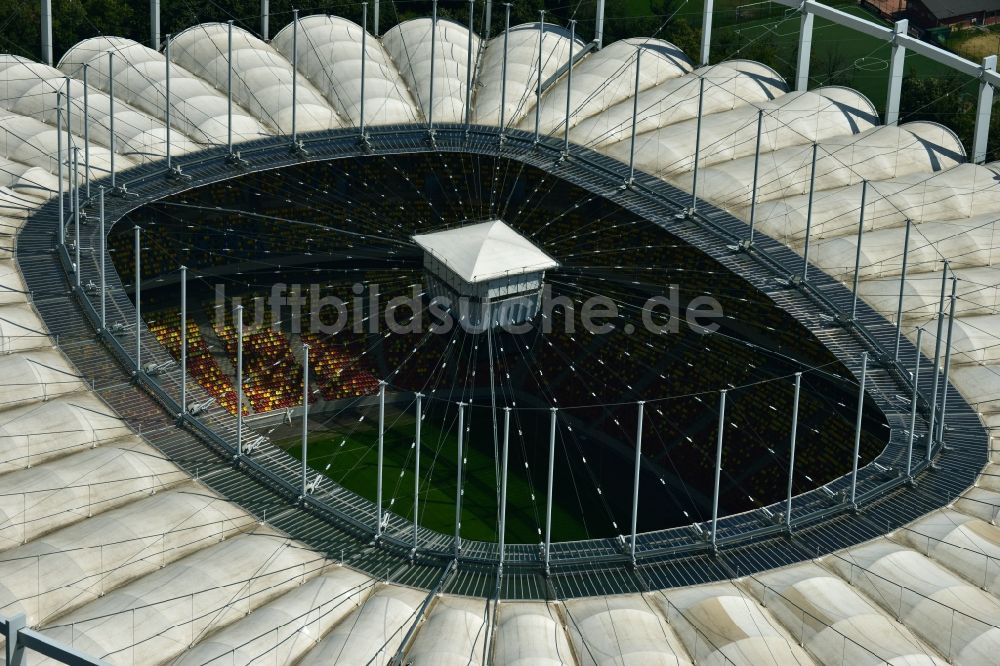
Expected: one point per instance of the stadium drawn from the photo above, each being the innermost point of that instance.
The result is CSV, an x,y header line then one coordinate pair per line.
x,y
410,346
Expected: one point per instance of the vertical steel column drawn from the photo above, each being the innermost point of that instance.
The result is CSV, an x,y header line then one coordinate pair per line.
x,y
706,33
166,83
75,195
416,470
718,467
154,24
70,143
548,489
913,405
635,114
697,144
569,86
265,20
756,172
932,430
809,213
902,287
635,479
380,459
375,16
47,32
111,116
430,96
138,301
59,169
364,61
857,427
805,50
896,61
599,25
86,130
857,250
947,359
538,86
229,87
489,20
239,380
468,67
103,242
503,483
984,107
458,479
791,453
503,72
184,351
305,418
295,78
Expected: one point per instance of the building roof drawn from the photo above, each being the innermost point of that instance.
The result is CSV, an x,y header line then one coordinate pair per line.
x,y
483,251
944,9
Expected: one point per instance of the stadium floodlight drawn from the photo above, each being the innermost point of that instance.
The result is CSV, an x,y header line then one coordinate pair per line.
x,y
809,211
718,468
380,459
184,337
538,87
503,75
937,351
902,290
857,427
857,250
138,299
791,451
913,405
635,114
947,360
756,173
416,471
458,479
86,129
569,87
305,418
697,145
502,532
553,414
635,479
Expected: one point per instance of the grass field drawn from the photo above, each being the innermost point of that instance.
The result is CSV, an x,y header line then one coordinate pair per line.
x,y
347,453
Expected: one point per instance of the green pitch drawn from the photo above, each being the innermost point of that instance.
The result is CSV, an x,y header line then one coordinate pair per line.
x,y
346,451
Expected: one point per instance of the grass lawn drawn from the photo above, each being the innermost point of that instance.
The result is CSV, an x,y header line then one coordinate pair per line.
x,y
347,453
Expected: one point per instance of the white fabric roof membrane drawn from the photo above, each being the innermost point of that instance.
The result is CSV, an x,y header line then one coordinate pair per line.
x,y
196,109
157,616
522,71
21,329
530,633
454,634
604,79
35,89
623,629
371,634
963,191
286,628
409,44
33,376
330,57
728,85
964,544
720,623
75,565
978,293
60,492
924,595
262,77
833,621
33,433
483,251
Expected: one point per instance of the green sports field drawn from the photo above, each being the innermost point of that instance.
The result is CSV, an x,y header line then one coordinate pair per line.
x,y
346,451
